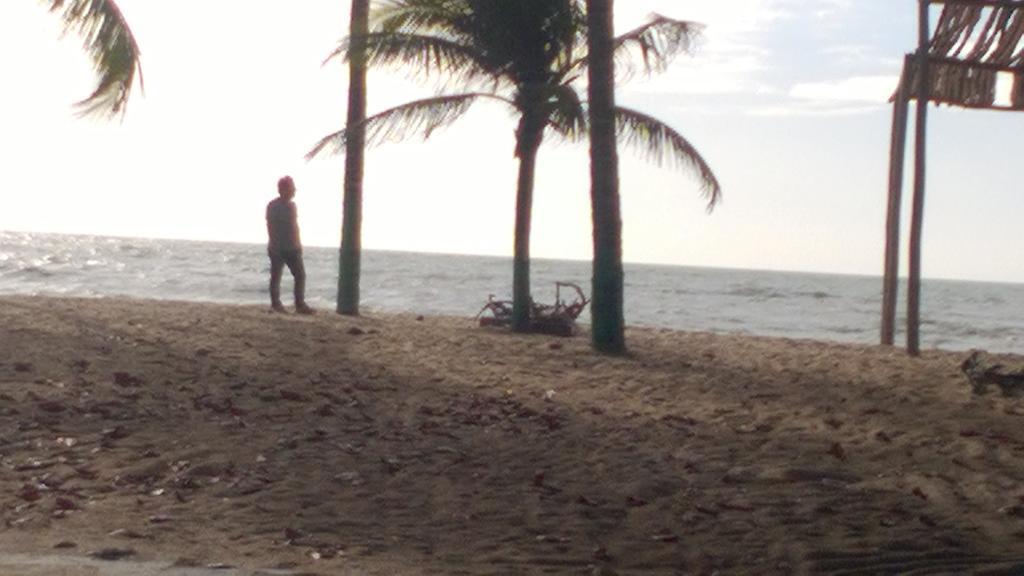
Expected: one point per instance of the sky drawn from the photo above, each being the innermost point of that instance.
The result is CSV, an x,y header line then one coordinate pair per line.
x,y
786,100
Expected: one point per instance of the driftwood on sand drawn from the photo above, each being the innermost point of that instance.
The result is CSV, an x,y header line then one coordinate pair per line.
x,y
558,319
983,373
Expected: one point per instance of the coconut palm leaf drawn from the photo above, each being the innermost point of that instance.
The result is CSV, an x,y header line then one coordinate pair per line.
x,y
568,116
658,43
424,56
110,44
659,142
416,16
421,116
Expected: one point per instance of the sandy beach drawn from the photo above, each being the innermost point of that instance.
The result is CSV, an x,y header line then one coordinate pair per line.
x,y
210,435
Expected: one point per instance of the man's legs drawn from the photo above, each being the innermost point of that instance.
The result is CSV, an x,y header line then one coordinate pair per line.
x,y
298,270
276,269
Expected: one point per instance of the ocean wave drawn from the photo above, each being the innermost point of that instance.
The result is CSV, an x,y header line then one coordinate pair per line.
x,y
814,294
32,271
135,250
993,332
851,330
756,293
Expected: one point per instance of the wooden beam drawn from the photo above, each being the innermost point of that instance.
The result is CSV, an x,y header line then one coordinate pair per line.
x,y
912,61
993,107
897,158
920,173
981,64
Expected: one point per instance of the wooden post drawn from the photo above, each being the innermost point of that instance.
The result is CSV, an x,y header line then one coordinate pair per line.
x,y
920,153
898,152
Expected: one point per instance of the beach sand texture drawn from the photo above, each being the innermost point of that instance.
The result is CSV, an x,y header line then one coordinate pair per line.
x,y
208,434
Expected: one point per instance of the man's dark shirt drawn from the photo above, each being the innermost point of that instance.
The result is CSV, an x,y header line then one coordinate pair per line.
x,y
283,226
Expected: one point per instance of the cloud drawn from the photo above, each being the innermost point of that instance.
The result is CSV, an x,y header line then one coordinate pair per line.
x,y
860,55
723,19
846,97
729,56
864,89
811,110
828,9
775,57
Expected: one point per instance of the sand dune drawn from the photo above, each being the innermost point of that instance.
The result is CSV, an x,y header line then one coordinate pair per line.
x,y
210,434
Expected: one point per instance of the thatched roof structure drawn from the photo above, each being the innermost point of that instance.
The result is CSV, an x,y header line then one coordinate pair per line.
x,y
962,57
973,42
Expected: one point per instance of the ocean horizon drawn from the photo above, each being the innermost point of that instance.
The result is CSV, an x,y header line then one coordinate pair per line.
x,y
846,308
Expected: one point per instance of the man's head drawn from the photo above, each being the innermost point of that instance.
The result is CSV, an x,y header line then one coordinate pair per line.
x,y
286,187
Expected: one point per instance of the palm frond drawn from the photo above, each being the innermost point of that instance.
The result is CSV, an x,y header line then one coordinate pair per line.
x,y
657,43
568,117
416,16
425,56
572,38
662,143
424,116
110,44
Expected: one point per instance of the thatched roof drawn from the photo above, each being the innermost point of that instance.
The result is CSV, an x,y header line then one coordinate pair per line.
x,y
973,42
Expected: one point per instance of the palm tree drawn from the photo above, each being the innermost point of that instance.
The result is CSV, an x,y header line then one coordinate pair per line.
x,y
524,54
606,306
112,48
349,261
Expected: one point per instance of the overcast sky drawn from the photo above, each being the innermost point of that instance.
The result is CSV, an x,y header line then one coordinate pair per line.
x,y
785,98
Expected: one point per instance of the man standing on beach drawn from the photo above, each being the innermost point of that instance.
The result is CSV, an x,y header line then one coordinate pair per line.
x,y
285,247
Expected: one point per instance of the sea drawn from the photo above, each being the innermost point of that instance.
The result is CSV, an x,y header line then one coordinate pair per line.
x,y
956,315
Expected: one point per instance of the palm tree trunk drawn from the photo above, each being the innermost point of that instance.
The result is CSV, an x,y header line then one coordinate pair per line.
x,y
350,258
606,308
529,137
